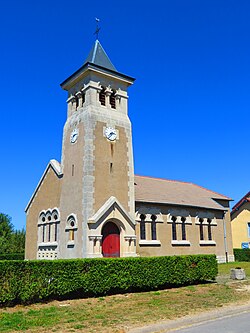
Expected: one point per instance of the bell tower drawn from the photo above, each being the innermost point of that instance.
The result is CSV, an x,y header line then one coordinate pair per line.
x,y
97,162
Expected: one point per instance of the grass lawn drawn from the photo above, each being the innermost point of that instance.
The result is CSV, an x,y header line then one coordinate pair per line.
x,y
118,313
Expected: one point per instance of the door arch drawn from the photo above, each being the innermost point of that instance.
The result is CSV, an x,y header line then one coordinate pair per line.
x,y
110,240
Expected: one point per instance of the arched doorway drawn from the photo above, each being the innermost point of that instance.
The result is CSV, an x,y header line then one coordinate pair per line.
x,y
110,240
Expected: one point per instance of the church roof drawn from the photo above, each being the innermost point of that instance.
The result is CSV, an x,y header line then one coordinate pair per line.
x,y
99,57
163,191
96,60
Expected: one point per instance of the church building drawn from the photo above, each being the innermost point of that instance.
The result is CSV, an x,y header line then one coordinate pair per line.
x,y
92,205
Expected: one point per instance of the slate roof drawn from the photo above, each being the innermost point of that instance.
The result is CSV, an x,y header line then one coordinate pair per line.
x,y
99,57
156,190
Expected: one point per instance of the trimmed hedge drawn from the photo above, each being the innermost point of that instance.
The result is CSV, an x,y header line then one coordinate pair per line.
x,y
31,281
242,254
12,256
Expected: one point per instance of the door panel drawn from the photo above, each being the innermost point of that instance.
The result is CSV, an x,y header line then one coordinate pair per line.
x,y
110,240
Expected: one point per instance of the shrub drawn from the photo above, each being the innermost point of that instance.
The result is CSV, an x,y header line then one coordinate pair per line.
x,y
31,281
242,254
12,256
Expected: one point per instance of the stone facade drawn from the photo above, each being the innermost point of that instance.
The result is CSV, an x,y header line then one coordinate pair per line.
x,y
187,236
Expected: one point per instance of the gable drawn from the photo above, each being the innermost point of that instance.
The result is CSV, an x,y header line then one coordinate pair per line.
x,y
52,170
111,209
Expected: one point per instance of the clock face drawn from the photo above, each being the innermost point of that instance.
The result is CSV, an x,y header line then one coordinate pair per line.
x,y
74,135
110,133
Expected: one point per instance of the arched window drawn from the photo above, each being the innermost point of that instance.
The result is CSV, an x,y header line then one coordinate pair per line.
x,y
102,96
71,227
112,100
55,220
201,229
153,227
47,234
83,98
209,229
174,235
142,227
183,228
77,102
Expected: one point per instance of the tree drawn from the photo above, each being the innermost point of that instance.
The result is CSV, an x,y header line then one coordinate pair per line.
x,y
11,241
6,229
17,244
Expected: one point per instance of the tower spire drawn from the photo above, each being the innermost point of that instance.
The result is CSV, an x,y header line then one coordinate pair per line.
x,y
97,28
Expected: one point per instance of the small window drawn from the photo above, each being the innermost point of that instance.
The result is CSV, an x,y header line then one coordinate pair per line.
x,y
174,235
71,235
83,98
201,229
209,229
55,234
183,228
43,233
153,227
71,228
112,100
49,232
77,102
142,227
102,96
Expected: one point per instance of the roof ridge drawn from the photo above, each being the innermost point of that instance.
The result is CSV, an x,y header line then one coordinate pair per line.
x,y
184,182
94,52
165,179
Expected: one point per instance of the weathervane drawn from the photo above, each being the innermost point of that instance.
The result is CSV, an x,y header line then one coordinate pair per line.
x,y
97,28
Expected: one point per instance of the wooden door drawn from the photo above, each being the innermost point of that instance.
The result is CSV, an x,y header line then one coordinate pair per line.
x,y
110,240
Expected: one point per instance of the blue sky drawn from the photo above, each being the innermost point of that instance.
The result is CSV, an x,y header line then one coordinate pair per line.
x,y
189,105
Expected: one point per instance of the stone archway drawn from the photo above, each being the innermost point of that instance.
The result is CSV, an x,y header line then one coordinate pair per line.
x,y
110,240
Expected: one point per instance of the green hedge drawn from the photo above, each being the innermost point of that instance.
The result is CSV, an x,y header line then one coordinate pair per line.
x,y
242,254
12,256
32,281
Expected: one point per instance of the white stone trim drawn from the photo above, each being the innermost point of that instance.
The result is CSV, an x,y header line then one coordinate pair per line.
x,y
205,222
130,237
207,242
180,242
48,244
178,218
95,237
69,218
149,242
106,206
51,212
148,212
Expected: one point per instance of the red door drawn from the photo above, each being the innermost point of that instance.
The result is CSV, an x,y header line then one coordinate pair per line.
x,y
110,240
